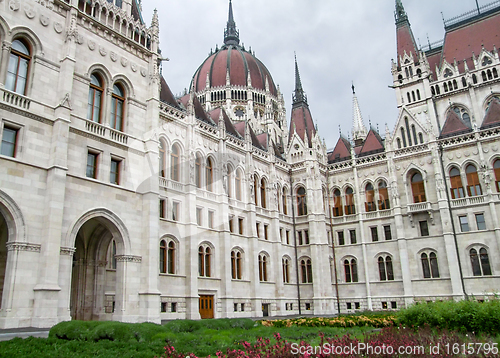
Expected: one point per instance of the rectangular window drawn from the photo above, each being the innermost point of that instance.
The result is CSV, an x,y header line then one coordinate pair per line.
x,y
281,234
210,219
394,305
235,308
164,306
175,211
231,223
198,216
384,305
340,236
352,234
481,224
9,141
299,237
92,165
387,232
288,237
308,306
348,305
356,305
240,226
424,228
173,307
114,173
257,227
306,236
242,307
163,205
374,232
464,224
266,232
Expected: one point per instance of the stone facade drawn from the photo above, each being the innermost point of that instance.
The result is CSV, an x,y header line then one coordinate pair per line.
x,y
120,202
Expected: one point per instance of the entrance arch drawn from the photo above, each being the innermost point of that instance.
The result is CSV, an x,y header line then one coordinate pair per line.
x,y
96,277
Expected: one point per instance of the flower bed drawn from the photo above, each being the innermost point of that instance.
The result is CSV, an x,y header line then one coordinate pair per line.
x,y
343,321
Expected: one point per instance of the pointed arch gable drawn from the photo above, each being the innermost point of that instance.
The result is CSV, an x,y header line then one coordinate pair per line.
x,y
102,70
410,170
400,123
12,213
117,228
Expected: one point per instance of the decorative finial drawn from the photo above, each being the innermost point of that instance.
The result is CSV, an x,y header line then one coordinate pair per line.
x,y
231,34
353,92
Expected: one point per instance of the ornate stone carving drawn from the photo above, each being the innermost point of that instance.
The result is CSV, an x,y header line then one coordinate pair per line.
x,y
58,27
44,20
133,66
14,5
23,246
143,72
91,45
29,11
124,61
113,56
128,258
103,51
69,251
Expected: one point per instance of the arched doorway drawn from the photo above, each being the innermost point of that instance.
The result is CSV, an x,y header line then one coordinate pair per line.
x,y
4,236
95,288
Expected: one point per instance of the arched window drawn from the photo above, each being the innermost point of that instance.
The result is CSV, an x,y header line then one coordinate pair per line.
x,y
480,265
167,257
210,174
433,92
418,189
408,95
399,143
19,63
236,264
464,82
370,198
237,184
263,267
337,203
473,186
301,201
197,171
495,73
174,163
474,78
306,270
496,168
438,91
162,159
351,270
111,256
403,136
418,95
414,132
204,261
95,98
385,269
255,194
263,193
463,114
483,75
430,267
286,269
383,196
456,188
445,86
420,138
285,207
117,104
350,208
229,181
413,96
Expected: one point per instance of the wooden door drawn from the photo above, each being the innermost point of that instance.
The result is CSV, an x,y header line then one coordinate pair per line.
x,y
206,304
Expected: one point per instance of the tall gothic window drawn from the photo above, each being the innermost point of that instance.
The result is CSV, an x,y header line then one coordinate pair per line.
x,y
351,270
337,203
418,189
385,269
197,171
162,158
117,102
480,263
286,270
209,174
236,264
174,163
95,98
350,208
263,267
263,193
473,185
456,187
430,267
383,196
204,261
370,198
496,168
301,201
306,270
285,207
17,71
237,184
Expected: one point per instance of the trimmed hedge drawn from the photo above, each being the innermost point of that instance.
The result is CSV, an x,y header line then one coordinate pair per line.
x,y
463,316
342,321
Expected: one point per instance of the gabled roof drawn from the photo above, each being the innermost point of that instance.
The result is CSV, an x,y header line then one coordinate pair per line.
x,y
166,94
373,144
136,12
342,151
492,118
453,126
241,126
199,112
215,115
302,123
262,138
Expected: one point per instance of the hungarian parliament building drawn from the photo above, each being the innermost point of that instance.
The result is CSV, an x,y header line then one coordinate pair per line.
x,y
120,201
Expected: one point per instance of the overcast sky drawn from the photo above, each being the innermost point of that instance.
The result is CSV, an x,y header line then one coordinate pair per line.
x,y
336,42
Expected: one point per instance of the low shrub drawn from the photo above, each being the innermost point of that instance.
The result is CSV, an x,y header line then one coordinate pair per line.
x,y
184,325
463,316
342,321
73,330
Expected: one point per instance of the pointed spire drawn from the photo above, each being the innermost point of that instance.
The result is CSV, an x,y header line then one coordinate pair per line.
x,y
299,95
231,34
400,14
358,127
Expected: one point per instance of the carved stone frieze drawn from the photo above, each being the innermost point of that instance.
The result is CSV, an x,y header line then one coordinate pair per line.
x,y
23,246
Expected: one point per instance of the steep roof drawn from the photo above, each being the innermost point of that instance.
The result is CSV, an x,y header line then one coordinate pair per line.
x,y
215,115
492,118
373,144
166,94
470,36
342,151
454,126
405,40
262,138
199,112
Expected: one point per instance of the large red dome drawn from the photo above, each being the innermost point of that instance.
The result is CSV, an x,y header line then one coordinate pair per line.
x,y
239,63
